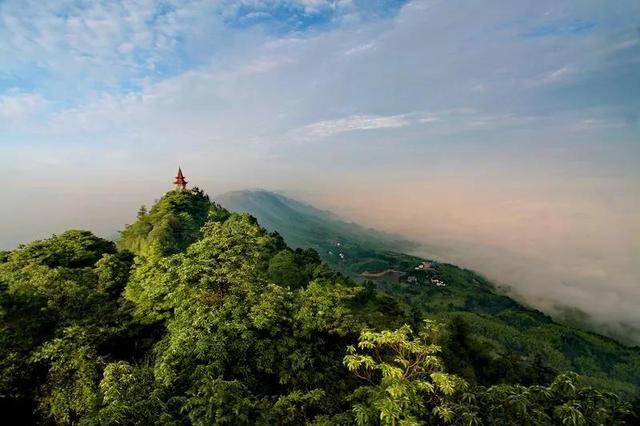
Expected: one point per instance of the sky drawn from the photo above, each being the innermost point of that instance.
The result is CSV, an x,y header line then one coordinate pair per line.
x,y
503,135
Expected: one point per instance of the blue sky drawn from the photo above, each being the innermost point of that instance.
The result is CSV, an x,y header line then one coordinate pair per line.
x,y
478,127
562,27
62,57
70,42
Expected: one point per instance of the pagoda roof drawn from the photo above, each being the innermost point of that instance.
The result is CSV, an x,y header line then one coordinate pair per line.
x,y
180,180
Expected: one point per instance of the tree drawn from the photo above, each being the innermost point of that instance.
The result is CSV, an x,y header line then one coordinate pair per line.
x,y
70,392
71,249
565,402
59,300
130,397
285,271
406,382
172,224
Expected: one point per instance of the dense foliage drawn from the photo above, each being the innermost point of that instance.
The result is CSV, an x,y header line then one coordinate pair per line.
x,y
200,316
171,225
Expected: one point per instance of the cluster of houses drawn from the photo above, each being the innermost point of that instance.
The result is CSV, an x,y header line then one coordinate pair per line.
x,y
437,282
340,255
425,267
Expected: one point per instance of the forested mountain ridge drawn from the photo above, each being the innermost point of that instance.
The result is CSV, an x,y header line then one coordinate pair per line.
x,y
200,316
303,225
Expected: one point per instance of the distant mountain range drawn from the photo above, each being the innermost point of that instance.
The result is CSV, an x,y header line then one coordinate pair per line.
x,y
301,225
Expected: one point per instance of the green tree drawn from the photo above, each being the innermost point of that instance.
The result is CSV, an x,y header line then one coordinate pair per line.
x,y
172,224
563,402
54,294
70,393
406,381
71,249
284,270
130,397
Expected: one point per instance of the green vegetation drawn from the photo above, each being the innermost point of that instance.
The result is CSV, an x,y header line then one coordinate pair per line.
x,y
201,316
304,226
171,225
510,330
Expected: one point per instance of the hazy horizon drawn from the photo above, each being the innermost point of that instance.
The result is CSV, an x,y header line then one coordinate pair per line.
x,y
503,136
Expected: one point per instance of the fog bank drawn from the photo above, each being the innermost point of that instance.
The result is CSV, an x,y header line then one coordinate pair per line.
x,y
566,245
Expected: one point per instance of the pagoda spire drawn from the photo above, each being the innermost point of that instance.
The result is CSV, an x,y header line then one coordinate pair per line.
x,y
180,182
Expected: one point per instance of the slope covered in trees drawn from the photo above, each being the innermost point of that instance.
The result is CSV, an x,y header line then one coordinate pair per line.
x,y
200,316
497,323
304,226
172,224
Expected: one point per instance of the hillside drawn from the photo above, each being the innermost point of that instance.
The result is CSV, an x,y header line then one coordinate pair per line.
x,y
506,326
198,315
344,245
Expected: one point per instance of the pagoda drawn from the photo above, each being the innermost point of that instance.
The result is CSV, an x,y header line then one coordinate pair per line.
x,y
180,183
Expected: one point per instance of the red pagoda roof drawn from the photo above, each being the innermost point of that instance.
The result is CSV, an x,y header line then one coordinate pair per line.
x,y
180,180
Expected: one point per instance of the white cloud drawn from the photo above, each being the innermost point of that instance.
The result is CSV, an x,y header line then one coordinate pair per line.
x,y
102,44
551,77
270,87
597,124
18,106
325,128
360,48
265,64
430,119
308,6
